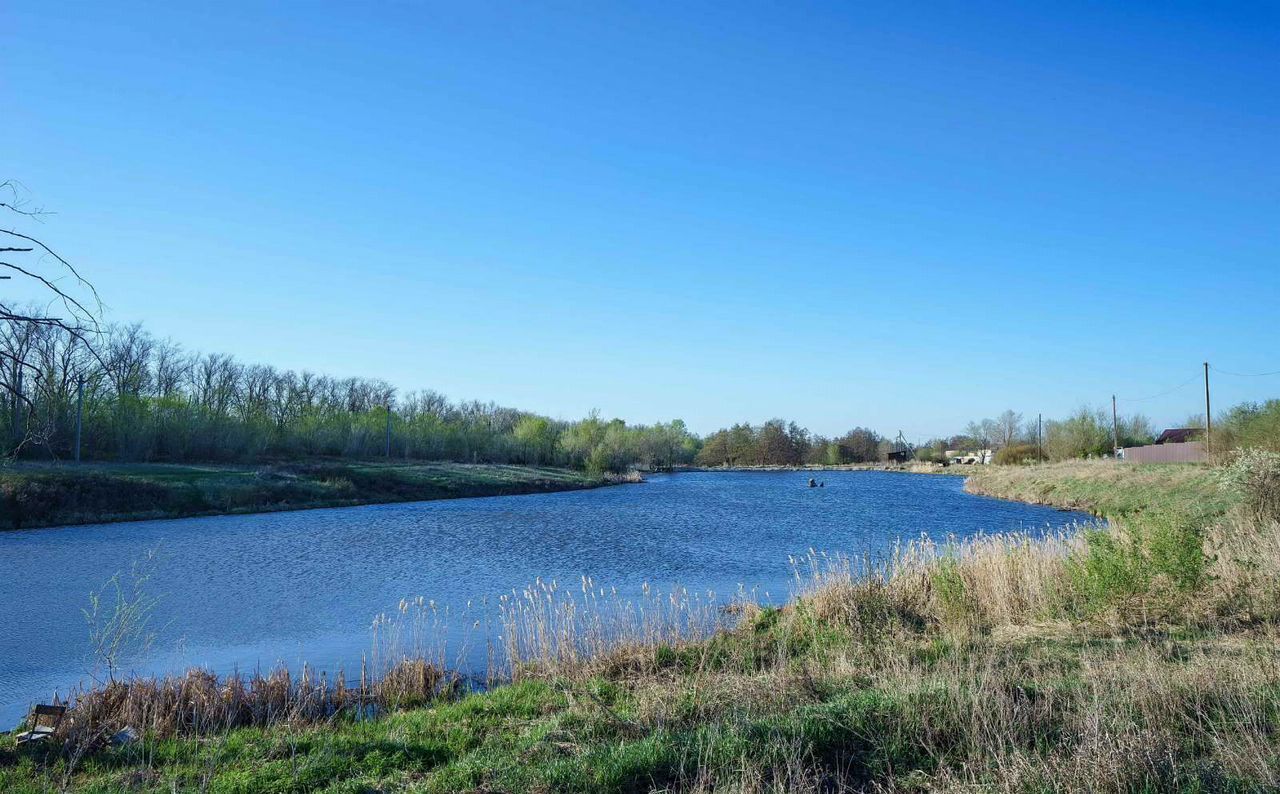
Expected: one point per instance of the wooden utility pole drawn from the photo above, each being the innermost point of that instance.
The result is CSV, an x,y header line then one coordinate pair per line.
x,y
79,413
1208,417
19,423
1115,428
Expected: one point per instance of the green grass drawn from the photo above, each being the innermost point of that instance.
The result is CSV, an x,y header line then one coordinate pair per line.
x,y
902,722
35,495
1105,487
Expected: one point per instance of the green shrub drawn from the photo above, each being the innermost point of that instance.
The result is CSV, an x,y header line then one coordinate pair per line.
x,y
1108,571
1254,475
1017,454
952,592
1174,545
1158,550
1250,425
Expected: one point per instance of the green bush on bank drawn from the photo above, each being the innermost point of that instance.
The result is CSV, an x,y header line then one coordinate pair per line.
x,y
1017,454
1158,553
1254,474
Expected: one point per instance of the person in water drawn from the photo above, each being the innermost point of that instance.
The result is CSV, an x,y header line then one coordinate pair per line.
x,y
813,483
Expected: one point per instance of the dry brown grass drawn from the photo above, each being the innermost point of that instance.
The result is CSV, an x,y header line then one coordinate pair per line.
x,y
552,630
200,702
978,583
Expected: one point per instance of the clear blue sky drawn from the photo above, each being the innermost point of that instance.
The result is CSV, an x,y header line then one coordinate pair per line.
x,y
839,213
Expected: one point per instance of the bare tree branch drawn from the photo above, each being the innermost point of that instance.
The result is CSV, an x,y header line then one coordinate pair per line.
x,y
80,323
64,297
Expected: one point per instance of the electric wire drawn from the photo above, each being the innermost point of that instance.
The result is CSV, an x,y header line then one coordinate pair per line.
x,y
1244,374
1182,385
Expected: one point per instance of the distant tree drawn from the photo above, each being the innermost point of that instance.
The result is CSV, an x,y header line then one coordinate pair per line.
x,y
538,437
1249,425
715,450
1007,427
1085,433
776,446
860,445
801,441
1135,431
832,454
980,432
816,450
742,444
932,451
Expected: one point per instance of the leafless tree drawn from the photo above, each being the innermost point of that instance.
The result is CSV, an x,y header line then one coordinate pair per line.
x,y
1008,425
70,306
128,352
172,366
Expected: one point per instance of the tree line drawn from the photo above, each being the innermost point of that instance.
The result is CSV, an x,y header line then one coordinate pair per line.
x,y
1093,433
779,442
148,399
1087,432
1012,438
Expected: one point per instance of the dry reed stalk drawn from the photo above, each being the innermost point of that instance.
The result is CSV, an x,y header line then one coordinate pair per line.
x,y
200,702
547,629
1003,579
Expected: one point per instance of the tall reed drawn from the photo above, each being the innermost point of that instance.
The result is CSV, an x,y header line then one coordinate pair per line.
x,y
547,628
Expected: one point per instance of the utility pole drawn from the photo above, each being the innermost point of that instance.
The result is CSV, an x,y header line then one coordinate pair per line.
x,y
1208,417
1040,437
79,412
19,422
1115,428
388,431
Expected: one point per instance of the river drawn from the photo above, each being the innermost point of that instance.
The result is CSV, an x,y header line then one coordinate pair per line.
x,y
251,591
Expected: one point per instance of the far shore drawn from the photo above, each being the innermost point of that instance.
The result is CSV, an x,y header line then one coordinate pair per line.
x,y
39,495
46,495
915,467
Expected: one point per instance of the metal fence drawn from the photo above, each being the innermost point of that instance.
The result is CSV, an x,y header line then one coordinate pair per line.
x,y
1185,452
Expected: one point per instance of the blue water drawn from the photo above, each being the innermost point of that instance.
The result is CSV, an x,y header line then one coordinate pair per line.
x,y
239,592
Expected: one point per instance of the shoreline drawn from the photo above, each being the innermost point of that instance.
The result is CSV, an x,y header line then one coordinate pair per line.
x,y
908,468
49,496
53,495
44,496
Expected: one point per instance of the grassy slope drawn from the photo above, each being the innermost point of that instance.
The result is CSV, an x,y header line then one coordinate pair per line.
x,y
911,684
1104,488
51,495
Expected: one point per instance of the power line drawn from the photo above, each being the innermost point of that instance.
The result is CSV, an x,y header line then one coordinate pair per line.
x,y
1182,385
1244,374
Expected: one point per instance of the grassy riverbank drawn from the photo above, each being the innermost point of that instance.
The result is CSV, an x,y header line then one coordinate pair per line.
x,y
913,467
1105,488
37,495
1143,657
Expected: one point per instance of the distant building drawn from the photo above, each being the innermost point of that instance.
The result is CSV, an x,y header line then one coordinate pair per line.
x,y
970,457
1174,445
